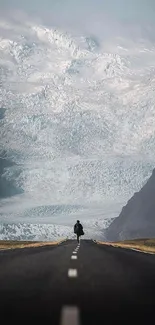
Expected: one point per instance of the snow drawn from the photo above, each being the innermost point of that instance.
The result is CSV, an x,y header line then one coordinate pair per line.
x,y
78,124
48,232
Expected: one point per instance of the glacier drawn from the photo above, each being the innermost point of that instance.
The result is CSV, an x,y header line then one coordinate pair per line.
x,y
77,126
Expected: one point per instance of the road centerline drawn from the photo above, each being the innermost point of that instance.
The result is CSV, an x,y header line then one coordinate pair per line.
x,y
70,315
73,257
72,273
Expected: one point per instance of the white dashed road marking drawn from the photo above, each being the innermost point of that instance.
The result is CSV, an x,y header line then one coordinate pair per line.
x,y
70,316
74,252
72,273
73,257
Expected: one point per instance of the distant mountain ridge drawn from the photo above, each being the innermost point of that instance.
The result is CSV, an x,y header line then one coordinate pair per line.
x,y
137,218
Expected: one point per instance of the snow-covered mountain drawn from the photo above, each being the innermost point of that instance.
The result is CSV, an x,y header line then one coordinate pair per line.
x,y
77,123
44,232
137,218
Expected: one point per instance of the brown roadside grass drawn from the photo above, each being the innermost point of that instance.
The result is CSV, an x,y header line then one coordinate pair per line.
x,y
11,244
144,244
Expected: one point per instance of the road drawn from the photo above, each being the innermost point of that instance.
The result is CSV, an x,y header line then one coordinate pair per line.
x,y
99,284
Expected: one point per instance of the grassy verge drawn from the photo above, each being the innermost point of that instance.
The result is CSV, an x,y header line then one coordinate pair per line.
x,y
11,244
144,245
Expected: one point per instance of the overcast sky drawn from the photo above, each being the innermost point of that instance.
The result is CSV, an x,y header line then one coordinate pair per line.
x,y
140,10
99,17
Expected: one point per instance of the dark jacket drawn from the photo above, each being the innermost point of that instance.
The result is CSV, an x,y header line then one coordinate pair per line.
x,y
78,229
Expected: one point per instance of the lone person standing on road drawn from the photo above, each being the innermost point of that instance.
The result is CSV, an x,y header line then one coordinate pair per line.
x,y
78,230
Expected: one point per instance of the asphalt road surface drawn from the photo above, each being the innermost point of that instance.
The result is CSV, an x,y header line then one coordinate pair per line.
x,y
73,284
